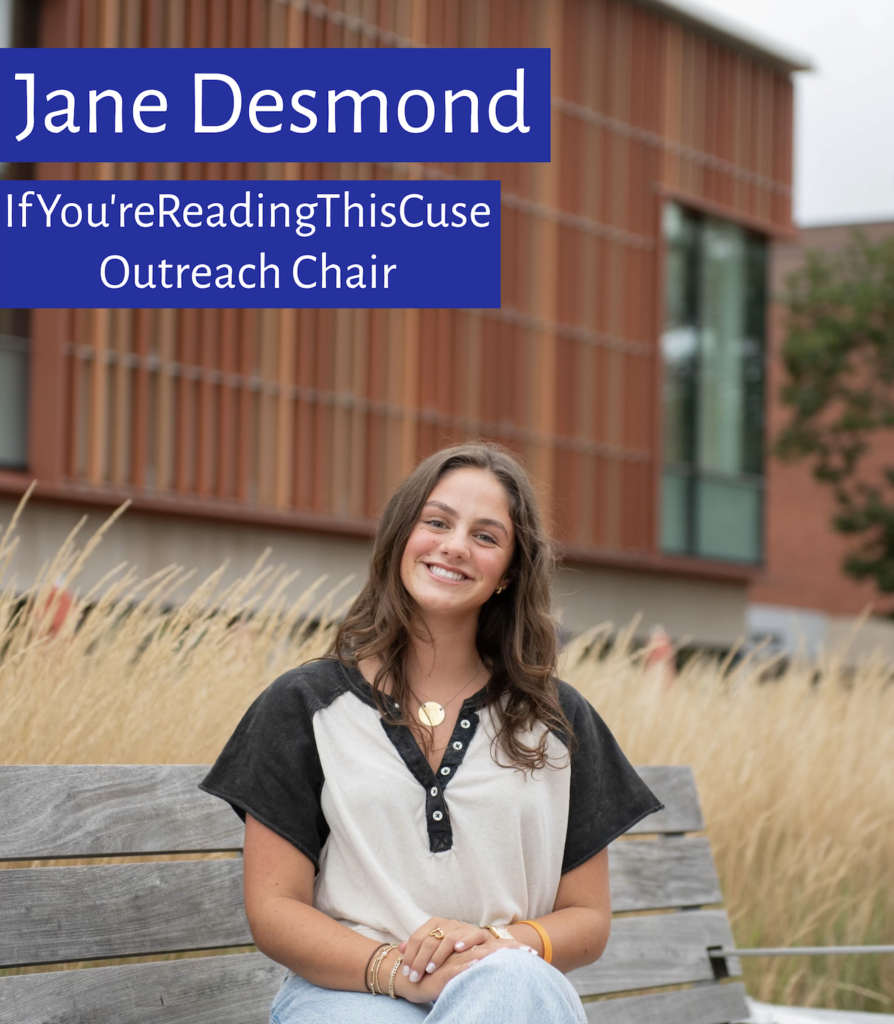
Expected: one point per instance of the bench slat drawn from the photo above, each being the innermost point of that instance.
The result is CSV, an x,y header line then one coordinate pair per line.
x,y
661,949
53,811
674,785
51,915
713,1004
234,989
664,873
54,915
238,990
105,810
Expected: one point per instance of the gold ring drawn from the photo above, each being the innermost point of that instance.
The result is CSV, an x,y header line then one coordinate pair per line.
x,y
438,933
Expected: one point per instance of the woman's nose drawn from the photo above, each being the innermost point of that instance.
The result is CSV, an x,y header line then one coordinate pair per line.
x,y
456,543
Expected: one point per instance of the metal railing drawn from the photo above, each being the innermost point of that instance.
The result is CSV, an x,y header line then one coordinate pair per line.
x,y
719,952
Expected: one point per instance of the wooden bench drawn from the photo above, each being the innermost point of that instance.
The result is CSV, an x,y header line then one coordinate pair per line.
x,y
66,915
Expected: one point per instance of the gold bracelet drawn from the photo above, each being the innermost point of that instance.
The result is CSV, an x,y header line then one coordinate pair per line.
x,y
377,988
375,970
369,962
547,945
374,966
394,971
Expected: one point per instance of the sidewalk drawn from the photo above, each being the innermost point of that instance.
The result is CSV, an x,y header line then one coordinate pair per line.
x,y
765,1013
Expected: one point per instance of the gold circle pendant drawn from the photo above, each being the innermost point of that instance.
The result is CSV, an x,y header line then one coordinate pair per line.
x,y
431,713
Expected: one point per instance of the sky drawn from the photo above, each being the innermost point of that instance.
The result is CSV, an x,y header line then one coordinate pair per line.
x,y
844,108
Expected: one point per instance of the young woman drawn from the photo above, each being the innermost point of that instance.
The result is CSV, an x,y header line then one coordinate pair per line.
x,y
428,809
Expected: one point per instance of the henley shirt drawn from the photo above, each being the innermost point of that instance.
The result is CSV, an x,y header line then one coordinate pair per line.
x,y
394,842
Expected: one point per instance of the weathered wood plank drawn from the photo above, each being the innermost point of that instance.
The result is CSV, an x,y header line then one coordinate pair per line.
x,y
52,811
104,810
713,1004
238,990
660,949
53,915
211,990
664,873
674,785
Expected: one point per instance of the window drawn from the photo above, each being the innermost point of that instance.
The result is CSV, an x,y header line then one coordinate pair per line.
x,y
14,348
713,354
18,27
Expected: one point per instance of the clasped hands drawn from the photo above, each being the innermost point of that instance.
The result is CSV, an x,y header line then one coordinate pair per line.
x,y
430,961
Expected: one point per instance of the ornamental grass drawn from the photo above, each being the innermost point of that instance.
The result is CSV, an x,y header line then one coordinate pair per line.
x,y
794,762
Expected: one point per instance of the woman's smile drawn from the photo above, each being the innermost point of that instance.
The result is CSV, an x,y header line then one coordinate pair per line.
x,y
445,573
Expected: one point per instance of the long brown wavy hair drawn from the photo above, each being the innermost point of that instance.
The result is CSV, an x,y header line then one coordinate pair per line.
x,y
516,637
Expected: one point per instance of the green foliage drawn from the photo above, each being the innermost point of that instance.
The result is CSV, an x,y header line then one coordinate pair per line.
x,y
839,360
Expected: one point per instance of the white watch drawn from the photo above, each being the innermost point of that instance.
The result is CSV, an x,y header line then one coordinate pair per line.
x,y
499,932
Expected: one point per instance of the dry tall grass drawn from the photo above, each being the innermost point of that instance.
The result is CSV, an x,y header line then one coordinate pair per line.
x,y
796,775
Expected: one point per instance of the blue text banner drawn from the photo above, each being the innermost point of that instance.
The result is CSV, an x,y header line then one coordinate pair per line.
x,y
250,244
274,105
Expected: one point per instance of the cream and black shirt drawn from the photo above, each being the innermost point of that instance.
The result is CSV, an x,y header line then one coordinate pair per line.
x,y
394,842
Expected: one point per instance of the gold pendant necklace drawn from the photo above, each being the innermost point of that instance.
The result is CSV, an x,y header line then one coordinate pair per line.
x,y
432,713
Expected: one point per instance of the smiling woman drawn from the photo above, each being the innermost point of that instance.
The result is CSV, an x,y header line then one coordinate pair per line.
x,y
442,674
457,557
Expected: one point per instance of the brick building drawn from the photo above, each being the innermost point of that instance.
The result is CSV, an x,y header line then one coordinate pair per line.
x,y
626,364
803,595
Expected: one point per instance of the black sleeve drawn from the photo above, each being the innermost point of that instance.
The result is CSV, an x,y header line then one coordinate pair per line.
x,y
270,767
607,795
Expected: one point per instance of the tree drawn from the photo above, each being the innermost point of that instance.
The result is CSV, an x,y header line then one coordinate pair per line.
x,y
839,360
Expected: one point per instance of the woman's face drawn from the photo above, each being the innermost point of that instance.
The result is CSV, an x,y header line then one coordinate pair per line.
x,y
460,548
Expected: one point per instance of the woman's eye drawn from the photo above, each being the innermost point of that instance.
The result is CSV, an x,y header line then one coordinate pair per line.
x,y
436,522
487,537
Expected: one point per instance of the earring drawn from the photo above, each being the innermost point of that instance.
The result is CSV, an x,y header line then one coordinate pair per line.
x,y
501,588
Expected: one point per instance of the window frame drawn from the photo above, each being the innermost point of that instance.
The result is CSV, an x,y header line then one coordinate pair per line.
x,y
692,473
22,346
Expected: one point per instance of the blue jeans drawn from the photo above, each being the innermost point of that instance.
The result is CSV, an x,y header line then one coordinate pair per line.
x,y
508,987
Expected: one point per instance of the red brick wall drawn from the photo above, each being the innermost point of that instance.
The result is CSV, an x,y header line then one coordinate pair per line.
x,y
804,553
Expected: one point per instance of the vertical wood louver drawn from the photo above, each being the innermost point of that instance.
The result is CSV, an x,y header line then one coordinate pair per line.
x,y
313,415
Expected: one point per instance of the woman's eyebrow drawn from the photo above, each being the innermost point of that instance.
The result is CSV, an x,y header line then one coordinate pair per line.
x,y
442,507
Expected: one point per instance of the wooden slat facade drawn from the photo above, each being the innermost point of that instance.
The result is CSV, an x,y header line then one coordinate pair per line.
x,y
310,417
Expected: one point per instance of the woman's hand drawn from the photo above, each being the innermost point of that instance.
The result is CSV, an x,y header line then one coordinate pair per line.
x,y
425,954
432,984
429,986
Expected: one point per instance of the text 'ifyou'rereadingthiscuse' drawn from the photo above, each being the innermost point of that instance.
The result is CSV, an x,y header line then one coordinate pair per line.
x,y
385,244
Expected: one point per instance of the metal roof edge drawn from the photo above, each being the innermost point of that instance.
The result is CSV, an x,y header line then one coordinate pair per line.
x,y
731,32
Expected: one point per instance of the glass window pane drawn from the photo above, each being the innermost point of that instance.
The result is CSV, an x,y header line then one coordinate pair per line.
x,y
679,342
675,514
13,402
713,400
720,387
728,517
753,346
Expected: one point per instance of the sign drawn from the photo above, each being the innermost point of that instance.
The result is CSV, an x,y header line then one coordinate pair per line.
x,y
256,244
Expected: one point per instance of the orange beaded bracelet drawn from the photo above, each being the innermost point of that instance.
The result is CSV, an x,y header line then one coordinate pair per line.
x,y
547,945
